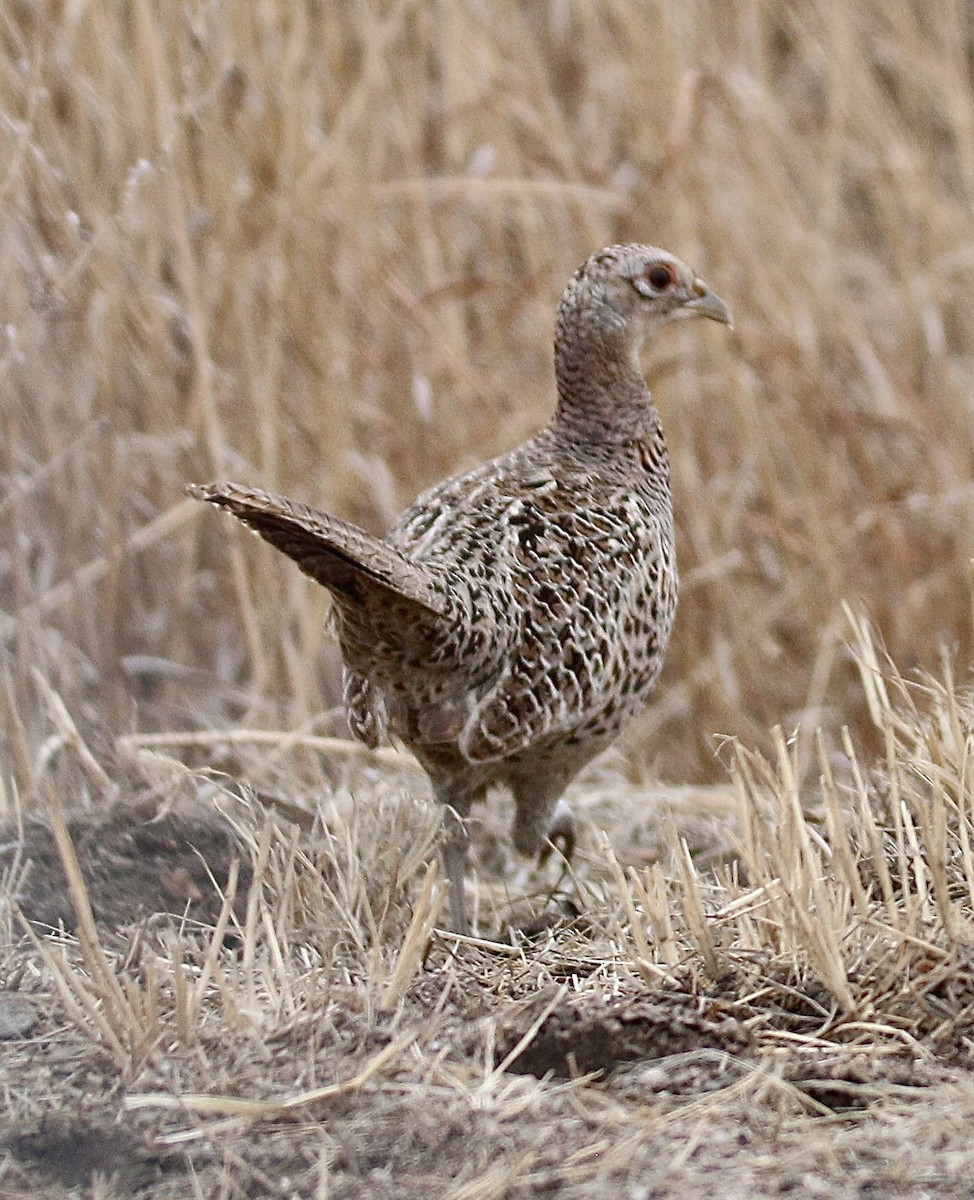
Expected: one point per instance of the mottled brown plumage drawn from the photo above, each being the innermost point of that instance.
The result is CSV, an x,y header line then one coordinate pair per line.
x,y
516,616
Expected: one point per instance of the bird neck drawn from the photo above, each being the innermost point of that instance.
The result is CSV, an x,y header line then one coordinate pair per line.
x,y
602,395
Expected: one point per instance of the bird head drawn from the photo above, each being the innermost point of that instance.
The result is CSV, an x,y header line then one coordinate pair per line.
x,y
634,291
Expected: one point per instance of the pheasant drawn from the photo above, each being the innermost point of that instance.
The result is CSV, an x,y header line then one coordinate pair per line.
x,y
516,616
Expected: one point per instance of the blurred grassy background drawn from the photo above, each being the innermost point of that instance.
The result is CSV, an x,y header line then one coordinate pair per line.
x,y
317,247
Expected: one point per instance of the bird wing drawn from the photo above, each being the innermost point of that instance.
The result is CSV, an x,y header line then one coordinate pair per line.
x,y
335,553
595,600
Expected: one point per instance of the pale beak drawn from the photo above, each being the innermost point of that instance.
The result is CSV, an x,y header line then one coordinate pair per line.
x,y
708,304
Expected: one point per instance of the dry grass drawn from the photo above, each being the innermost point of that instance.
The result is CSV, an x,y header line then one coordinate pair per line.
x,y
317,248
802,1011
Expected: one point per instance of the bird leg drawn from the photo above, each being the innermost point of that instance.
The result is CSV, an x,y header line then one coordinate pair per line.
x,y
454,855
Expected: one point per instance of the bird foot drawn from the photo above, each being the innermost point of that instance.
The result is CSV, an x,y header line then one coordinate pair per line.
x,y
561,835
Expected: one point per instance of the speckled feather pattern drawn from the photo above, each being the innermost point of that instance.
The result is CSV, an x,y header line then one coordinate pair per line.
x,y
516,616
560,580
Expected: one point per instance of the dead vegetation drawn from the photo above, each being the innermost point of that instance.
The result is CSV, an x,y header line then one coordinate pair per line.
x,y
795,1012
317,247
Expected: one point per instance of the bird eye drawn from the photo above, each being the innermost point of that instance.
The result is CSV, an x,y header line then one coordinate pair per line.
x,y
661,276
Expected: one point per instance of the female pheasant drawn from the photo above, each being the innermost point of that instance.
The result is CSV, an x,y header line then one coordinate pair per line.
x,y
516,616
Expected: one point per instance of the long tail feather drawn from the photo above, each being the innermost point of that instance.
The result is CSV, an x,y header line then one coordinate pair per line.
x,y
335,553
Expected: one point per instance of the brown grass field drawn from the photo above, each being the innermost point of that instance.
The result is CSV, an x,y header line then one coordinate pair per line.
x,y
316,247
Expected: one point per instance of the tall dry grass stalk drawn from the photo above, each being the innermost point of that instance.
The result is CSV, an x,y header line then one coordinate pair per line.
x,y
318,247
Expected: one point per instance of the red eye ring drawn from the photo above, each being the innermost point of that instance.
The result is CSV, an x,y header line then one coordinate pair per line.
x,y
660,276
